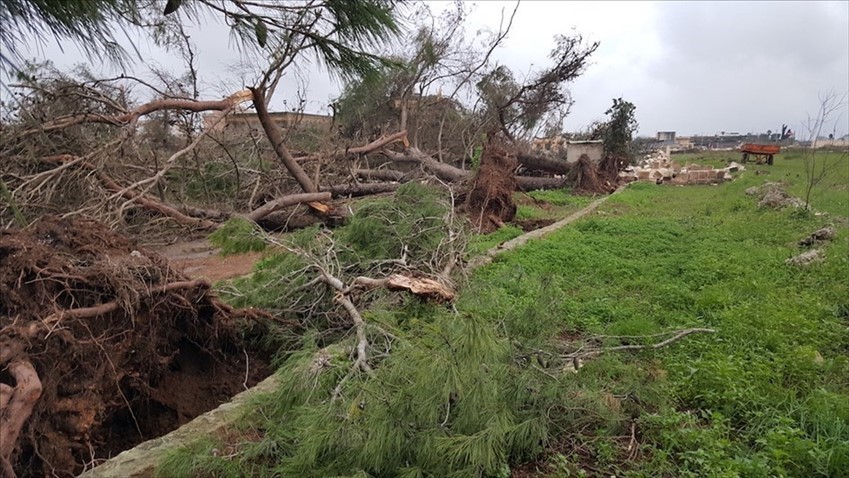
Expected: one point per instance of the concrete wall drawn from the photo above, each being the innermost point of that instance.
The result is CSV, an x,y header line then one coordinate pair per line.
x,y
245,123
593,149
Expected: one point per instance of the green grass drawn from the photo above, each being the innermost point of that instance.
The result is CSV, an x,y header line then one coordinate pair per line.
x,y
552,204
831,196
767,395
481,243
478,390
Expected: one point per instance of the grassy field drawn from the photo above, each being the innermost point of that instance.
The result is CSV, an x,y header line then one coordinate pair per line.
x,y
481,389
767,395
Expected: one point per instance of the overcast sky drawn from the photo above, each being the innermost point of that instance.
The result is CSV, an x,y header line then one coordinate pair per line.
x,y
689,67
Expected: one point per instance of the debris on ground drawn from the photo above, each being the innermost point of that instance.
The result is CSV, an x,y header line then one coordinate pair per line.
x,y
658,167
824,234
806,258
773,195
778,199
121,346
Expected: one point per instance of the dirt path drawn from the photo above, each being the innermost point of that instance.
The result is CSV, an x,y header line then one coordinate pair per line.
x,y
200,259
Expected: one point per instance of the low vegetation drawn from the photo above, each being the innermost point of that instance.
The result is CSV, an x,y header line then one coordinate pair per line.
x,y
485,388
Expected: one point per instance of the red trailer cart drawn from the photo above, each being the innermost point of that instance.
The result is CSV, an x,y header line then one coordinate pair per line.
x,y
763,153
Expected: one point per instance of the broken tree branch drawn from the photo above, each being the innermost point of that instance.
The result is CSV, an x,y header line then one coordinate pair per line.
x,y
141,200
145,109
287,201
353,190
443,171
678,335
361,362
380,174
378,144
420,286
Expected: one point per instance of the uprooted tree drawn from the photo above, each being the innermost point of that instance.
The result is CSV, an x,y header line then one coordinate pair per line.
x,y
78,145
87,125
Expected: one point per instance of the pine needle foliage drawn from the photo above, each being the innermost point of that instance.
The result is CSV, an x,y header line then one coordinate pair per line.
x,y
412,224
449,396
85,21
237,236
339,33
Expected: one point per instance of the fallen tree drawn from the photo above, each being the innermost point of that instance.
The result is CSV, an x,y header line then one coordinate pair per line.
x,y
99,337
540,163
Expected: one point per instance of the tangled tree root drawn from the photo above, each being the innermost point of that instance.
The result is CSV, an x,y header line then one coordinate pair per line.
x,y
104,345
586,176
489,203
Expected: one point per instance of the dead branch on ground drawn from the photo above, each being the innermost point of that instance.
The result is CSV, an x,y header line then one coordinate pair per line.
x,y
676,336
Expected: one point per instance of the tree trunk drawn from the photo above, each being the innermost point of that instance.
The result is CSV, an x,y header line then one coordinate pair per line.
x,y
381,174
361,189
526,183
544,164
276,138
443,171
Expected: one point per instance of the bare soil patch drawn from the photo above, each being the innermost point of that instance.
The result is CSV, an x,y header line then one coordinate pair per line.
x,y
125,346
200,259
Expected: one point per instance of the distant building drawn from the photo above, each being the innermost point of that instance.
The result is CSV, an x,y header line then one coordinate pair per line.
x,y
558,146
593,149
666,135
248,123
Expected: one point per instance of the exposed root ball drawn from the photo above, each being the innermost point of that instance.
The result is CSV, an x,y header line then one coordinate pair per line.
x,y
586,177
489,202
125,347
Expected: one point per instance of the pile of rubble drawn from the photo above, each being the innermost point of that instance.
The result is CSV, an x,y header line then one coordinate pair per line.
x,y
659,168
773,195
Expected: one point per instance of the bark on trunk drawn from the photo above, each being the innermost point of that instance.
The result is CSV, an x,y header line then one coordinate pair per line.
x,y
288,221
544,164
276,138
380,174
526,183
366,189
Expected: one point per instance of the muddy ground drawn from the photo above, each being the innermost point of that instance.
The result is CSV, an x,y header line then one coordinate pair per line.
x,y
127,347
200,259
